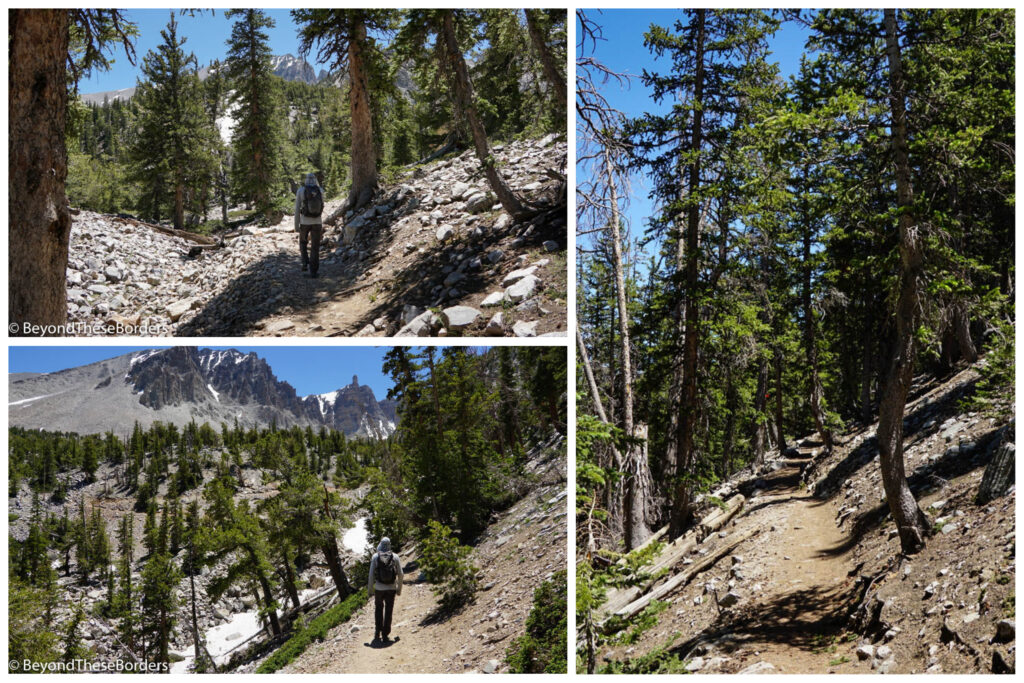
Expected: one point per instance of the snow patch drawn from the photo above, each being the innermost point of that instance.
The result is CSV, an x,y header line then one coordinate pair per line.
x,y
357,539
213,391
29,400
141,357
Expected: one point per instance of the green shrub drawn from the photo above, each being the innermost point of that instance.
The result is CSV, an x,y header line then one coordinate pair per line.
x,y
446,563
542,648
316,630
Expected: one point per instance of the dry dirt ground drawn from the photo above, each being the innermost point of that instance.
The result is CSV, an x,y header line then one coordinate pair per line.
x,y
817,560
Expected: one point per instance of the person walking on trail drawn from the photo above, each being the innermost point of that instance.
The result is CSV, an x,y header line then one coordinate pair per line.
x,y
309,206
384,584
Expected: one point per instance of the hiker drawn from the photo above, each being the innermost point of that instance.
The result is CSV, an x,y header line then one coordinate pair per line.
x,y
309,205
384,583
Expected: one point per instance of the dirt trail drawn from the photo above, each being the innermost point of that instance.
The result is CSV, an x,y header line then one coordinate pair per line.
x,y
417,650
795,610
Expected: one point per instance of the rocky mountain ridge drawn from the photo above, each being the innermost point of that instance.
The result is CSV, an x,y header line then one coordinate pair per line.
x,y
287,66
184,383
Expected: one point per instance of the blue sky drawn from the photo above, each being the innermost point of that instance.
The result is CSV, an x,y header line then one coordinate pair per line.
x,y
623,51
310,369
207,33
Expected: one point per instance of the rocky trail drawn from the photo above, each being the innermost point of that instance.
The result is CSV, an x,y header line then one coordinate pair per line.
x,y
796,578
433,255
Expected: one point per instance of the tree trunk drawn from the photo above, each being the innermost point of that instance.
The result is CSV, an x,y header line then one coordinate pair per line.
x,y
39,224
289,581
910,520
811,347
551,71
364,157
780,434
680,515
465,101
333,557
760,405
962,329
638,473
268,598
867,371
179,206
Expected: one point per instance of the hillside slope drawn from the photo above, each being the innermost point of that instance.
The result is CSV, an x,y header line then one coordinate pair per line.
x,y
520,550
810,580
433,242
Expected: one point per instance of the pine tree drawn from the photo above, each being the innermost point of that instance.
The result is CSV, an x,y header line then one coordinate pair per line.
x,y
345,40
158,606
256,139
172,156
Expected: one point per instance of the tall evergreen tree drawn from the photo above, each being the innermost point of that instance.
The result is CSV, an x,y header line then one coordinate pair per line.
x,y
172,155
256,137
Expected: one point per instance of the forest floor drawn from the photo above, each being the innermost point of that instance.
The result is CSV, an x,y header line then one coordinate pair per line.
x,y
432,241
521,549
799,582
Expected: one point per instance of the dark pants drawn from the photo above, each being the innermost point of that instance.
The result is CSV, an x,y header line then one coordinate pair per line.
x,y
383,605
305,232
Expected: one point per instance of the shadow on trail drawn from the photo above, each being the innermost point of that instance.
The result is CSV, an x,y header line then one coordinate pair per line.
x,y
380,644
806,619
267,287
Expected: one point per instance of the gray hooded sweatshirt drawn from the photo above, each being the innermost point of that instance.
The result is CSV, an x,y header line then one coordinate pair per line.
x,y
384,550
299,218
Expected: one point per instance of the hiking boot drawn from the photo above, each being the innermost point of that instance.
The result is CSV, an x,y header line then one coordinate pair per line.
x,y
385,640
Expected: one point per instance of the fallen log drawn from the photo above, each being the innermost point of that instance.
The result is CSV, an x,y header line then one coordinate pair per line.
x,y
675,551
183,234
684,577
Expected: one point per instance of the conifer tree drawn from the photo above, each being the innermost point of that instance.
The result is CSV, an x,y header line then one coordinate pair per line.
x,y
256,138
344,40
172,154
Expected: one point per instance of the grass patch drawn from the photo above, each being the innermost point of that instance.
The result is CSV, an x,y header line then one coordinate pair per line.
x,y
1010,606
316,630
644,621
838,660
1003,579
658,661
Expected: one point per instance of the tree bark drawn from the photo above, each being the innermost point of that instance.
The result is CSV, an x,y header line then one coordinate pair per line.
x,y
465,101
638,473
333,557
779,415
760,404
551,71
910,520
268,597
867,371
680,515
39,224
962,329
364,158
811,345
289,581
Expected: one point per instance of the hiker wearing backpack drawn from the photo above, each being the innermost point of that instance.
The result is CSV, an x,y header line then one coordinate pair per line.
x,y
309,205
384,583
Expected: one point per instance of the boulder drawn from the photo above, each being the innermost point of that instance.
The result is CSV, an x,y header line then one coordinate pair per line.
x,y
444,232
517,275
478,202
525,329
496,326
758,668
523,289
459,318
493,299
